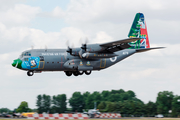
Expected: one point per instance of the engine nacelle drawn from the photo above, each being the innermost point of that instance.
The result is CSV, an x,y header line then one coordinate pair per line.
x,y
92,48
87,55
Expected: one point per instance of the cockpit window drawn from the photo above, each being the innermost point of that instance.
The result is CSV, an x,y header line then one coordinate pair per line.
x,y
25,54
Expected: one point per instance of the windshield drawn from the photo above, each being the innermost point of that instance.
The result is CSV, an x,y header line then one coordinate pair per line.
x,y
24,54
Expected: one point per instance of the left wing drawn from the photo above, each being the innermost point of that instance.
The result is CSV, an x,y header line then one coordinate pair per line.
x,y
118,45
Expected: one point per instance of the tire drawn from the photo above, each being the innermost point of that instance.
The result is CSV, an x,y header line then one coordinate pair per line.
x,y
88,72
81,72
68,73
76,73
30,73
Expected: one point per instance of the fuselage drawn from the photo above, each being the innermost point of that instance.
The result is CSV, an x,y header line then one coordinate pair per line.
x,y
60,60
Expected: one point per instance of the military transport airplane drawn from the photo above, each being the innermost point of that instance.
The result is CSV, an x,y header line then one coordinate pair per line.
x,y
89,57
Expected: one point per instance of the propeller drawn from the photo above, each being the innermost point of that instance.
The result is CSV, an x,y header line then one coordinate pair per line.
x,y
84,46
69,49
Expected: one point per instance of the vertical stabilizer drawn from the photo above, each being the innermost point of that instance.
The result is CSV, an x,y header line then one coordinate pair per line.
x,y
139,29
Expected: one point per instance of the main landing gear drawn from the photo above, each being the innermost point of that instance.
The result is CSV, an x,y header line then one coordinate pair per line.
x,y
30,73
76,73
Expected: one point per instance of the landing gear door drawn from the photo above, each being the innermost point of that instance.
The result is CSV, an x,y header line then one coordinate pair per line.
x,y
102,63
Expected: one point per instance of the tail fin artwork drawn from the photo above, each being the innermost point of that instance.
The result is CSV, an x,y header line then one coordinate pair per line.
x,y
139,30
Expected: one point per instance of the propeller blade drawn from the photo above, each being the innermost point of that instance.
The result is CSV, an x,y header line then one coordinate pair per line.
x,y
72,46
86,40
67,43
80,41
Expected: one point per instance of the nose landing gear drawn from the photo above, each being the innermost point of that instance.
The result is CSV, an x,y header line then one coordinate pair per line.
x,y
30,73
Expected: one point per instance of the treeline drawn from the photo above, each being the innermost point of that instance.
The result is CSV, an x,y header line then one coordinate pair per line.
x,y
23,107
56,104
121,101
5,110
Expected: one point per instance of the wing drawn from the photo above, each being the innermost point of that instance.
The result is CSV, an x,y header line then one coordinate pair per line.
x,y
147,49
118,45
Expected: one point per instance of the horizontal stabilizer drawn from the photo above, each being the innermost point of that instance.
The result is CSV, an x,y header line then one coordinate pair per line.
x,y
119,42
147,49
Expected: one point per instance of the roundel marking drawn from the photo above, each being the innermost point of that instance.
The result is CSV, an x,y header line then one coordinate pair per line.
x,y
113,59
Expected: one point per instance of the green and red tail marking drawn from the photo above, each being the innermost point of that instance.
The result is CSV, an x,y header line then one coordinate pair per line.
x,y
139,29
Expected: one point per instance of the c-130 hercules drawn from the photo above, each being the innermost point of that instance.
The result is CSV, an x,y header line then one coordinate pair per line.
x,y
89,57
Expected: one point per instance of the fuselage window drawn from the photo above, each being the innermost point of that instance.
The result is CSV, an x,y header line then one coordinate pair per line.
x,y
52,62
57,62
47,62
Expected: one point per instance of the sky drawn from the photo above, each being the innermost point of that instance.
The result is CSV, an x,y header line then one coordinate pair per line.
x,y
39,23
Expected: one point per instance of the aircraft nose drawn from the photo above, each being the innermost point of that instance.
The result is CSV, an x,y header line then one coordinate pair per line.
x,y
17,63
14,63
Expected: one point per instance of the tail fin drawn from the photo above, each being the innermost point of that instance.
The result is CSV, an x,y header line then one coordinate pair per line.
x,y
139,29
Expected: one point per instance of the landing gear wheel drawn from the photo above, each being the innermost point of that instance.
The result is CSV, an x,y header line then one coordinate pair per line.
x,y
81,72
68,73
88,72
76,73
30,73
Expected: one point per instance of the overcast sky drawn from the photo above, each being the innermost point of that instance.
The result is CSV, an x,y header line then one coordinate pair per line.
x,y
40,23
